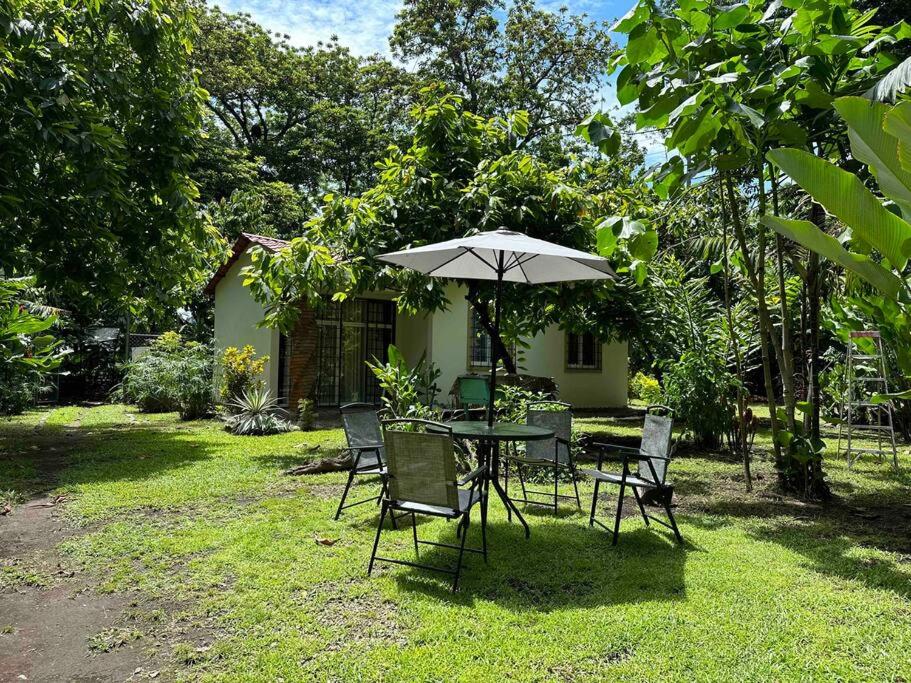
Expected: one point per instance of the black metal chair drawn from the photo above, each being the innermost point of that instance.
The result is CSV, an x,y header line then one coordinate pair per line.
x,y
422,481
652,457
365,445
555,453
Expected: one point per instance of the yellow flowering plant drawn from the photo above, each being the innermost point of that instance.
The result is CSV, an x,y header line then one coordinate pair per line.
x,y
240,369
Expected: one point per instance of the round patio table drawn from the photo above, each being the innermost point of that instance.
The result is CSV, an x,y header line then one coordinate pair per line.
x,y
490,438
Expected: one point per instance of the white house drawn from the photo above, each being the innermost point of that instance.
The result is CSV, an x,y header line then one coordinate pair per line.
x,y
324,357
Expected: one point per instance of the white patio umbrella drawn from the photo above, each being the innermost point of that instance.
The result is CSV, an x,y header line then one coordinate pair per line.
x,y
503,256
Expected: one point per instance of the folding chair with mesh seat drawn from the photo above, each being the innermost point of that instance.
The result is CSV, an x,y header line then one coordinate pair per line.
x,y
422,481
365,444
652,457
555,453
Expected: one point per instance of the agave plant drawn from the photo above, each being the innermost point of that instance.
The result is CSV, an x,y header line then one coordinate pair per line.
x,y
255,414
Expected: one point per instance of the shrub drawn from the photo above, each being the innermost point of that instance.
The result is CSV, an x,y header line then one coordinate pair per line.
x,y
701,391
255,415
407,392
305,414
240,370
172,375
646,388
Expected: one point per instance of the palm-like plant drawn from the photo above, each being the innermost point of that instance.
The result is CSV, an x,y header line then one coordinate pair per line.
x,y
255,414
880,137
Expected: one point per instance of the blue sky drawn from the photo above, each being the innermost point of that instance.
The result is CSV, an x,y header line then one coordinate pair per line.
x,y
365,25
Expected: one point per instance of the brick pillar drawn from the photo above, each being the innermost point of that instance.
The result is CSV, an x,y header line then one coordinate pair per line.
x,y
302,365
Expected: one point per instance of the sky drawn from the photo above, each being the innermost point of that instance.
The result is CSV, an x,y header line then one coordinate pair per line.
x,y
364,27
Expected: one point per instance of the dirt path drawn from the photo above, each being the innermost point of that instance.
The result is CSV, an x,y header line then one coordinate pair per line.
x,y
54,625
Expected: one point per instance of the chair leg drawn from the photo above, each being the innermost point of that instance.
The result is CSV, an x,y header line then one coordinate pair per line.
x,y
572,471
414,531
670,516
556,490
506,489
521,470
458,570
641,507
619,510
484,525
376,540
341,503
591,517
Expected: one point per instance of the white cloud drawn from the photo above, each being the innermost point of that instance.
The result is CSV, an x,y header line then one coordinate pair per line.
x,y
362,25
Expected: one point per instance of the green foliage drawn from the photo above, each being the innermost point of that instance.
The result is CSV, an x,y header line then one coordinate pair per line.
x,y
407,392
461,173
240,371
646,388
306,414
28,351
511,402
255,414
173,375
702,392
879,136
271,208
101,111
547,63
317,118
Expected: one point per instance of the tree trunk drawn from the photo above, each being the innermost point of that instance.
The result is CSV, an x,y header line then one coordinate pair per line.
x,y
496,341
787,352
741,434
764,325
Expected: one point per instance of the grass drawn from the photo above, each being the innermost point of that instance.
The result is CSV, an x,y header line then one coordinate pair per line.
x,y
189,516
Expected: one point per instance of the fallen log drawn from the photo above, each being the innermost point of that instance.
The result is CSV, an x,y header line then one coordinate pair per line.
x,y
321,466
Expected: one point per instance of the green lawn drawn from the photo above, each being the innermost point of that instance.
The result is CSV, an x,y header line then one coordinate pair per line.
x,y
205,527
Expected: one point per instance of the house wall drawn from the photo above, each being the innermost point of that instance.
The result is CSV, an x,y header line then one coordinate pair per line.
x,y
236,316
448,343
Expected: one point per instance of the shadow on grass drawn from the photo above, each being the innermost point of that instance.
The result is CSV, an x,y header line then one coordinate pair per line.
x,y
835,539
102,453
562,565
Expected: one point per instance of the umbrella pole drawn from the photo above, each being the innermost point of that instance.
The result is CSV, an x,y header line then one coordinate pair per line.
x,y
494,348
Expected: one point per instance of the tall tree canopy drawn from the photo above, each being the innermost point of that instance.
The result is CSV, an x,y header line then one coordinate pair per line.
x,y
546,63
317,118
100,111
462,173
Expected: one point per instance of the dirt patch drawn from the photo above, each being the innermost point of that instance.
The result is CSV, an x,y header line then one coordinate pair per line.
x,y
53,624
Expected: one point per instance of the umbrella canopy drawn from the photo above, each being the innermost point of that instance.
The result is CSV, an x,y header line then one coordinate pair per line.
x,y
504,256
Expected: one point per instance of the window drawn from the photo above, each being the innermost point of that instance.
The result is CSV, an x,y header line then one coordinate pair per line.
x,y
583,352
479,352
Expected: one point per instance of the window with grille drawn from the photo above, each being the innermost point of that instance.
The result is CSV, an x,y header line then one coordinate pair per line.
x,y
479,351
583,351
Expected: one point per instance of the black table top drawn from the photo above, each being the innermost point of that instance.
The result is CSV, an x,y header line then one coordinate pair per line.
x,y
500,431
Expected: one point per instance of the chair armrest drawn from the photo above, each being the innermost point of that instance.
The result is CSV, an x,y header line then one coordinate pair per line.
x,y
471,476
361,449
612,447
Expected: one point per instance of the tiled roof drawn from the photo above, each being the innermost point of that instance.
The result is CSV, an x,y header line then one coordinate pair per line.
x,y
241,245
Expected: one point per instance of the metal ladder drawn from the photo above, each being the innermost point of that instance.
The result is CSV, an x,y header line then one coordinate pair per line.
x,y
865,375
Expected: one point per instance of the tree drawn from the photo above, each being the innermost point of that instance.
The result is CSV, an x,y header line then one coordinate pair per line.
x,y
461,173
99,110
546,63
317,118
729,83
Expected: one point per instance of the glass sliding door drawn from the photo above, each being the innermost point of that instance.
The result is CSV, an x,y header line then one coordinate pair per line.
x,y
350,334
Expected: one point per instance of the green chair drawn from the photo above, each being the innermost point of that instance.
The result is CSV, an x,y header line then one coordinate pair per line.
x,y
422,481
554,454
652,459
474,391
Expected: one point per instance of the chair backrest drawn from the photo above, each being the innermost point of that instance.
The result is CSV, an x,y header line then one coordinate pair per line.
x,y
473,391
556,416
362,426
421,463
657,433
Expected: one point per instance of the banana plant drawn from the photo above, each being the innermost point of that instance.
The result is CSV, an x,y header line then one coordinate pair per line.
x,y
877,245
